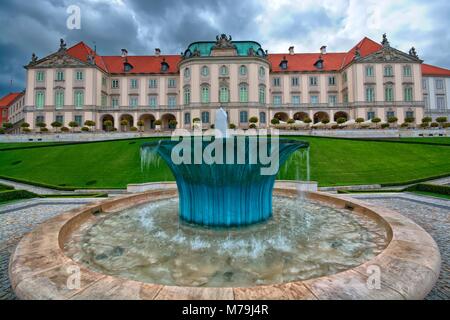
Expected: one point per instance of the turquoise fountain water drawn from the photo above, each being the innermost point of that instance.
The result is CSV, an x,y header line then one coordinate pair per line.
x,y
223,180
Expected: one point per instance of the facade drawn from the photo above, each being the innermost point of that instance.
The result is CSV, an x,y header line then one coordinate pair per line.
x,y
371,80
436,89
11,107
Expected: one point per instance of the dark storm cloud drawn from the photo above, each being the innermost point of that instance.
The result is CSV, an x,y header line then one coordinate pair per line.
x,y
142,25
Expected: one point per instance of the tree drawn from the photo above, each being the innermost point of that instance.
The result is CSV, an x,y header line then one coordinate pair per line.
x,y
441,121
7,125
427,120
41,125
410,119
392,120
232,126
376,121
55,125
25,125
90,124
275,121
359,121
173,124
108,124
341,120
253,120
307,120
73,125
124,124
141,125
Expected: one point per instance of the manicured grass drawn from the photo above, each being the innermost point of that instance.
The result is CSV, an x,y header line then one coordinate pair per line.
x,y
333,162
26,144
432,140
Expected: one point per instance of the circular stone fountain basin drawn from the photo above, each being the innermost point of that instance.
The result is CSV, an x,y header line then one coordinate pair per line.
x,y
294,256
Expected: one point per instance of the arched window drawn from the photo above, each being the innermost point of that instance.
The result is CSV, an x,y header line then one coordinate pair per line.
x,y
205,94
187,73
262,72
187,118
243,93
224,95
243,70
262,94
205,117
187,95
223,71
262,117
205,71
243,117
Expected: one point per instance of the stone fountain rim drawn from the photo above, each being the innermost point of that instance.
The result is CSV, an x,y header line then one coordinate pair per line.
x,y
410,264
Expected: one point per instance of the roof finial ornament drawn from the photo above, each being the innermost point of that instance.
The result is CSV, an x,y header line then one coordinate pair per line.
x,y
357,53
385,41
224,42
413,52
34,58
62,45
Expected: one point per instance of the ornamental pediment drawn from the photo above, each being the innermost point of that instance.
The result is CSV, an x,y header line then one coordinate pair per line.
x,y
58,60
389,55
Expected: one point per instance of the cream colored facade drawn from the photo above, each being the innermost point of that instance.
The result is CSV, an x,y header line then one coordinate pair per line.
x,y
382,84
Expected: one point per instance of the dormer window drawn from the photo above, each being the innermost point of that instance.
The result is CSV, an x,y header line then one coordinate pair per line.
x,y
319,63
164,66
284,64
127,67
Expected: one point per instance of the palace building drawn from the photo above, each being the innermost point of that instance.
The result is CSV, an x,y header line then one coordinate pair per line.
x,y
370,80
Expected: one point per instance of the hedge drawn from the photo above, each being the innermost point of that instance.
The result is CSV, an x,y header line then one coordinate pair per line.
x,y
16,195
434,188
405,183
5,187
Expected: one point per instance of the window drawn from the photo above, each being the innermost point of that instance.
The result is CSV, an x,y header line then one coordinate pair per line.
x,y
370,94
369,71
243,71
389,94
115,102
262,94
440,103
187,118
187,73
344,77
277,100
332,99
314,99
115,84
205,71
79,99
313,81
40,119
40,76
104,100
331,81
79,76
262,72
205,117
294,81
172,101
60,76
104,81
60,119
439,84
59,99
409,114
407,71
205,94
40,99
134,83
296,99
388,71
243,93
345,97
153,83
187,95
390,114
408,94
426,100
276,82
79,120
133,101
243,117
370,115
262,117
223,71
224,95
153,101
172,83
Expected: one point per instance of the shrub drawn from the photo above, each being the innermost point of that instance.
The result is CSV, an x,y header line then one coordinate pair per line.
x,y
441,120
16,195
275,121
385,126
325,121
427,120
85,129
158,122
26,130
56,125
89,123
334,127
252,126
124,123
359,120
434,125
64,129
2,131
253,120
446,125
196,120
108,124
44,130
232,126
392,120
212,126
404,125
424,125
410,119
73,125
25,125
376,120
133,129
365,125
140,124
291,121
173,123
307,120
7,125
440,189
341,120
41,125
114,129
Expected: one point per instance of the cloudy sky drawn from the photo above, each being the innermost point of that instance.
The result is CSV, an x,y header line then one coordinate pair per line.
x,y
142,25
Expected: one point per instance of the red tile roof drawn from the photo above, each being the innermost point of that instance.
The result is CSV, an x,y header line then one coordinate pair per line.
x,y
366,47
306,61
142,64
7,100
429,70
81,51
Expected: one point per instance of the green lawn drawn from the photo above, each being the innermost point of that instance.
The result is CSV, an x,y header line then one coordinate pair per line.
x,y
333,162
432,194
432,140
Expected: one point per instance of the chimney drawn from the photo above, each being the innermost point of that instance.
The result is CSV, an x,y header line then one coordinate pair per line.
x,y
157,52
291,50
323,50
124,53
